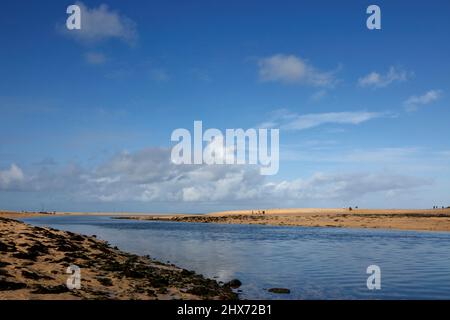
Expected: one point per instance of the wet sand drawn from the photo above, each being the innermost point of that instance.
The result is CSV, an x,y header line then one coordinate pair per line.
x,y
402,219
34,260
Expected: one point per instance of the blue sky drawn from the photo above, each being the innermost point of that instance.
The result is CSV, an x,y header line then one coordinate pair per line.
x,y
86,117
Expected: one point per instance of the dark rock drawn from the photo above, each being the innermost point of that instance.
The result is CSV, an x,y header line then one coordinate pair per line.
x,y
6,285
105,281
40,289
33,252
30,275
7,248
235,283
34,275
3,247
162,290
185,272
151,293
50,235
4,273
159,282
4,264
133,273
75,237
66,260
38,248
26,255
79,255
66,246
280,290
113,266
201,291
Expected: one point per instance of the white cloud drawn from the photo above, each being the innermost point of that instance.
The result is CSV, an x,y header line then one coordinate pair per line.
x,y
290,121
377,80
293,69
11,178
99,24
345,186
149,176
413,102
95,58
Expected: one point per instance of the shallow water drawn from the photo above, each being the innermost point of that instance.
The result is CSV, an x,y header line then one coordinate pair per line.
x,y
314,263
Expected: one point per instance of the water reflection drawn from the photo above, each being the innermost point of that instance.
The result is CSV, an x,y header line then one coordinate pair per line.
x,y
314,263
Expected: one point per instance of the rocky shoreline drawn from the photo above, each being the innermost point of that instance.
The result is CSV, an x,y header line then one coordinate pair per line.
x,y
34,261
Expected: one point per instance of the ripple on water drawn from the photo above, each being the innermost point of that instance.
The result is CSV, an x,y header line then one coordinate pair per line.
x,y
314,263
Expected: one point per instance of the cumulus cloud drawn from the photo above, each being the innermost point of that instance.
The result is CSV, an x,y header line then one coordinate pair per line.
x,y
102,23
378,80
413,102
345,186
12,178
149,176
293,69
286,120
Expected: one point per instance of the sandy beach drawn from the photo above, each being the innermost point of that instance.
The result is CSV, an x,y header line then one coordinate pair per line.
x,y
34,260
402,219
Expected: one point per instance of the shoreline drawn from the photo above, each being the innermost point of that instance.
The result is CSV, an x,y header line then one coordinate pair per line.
x,y
34,261
397,219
